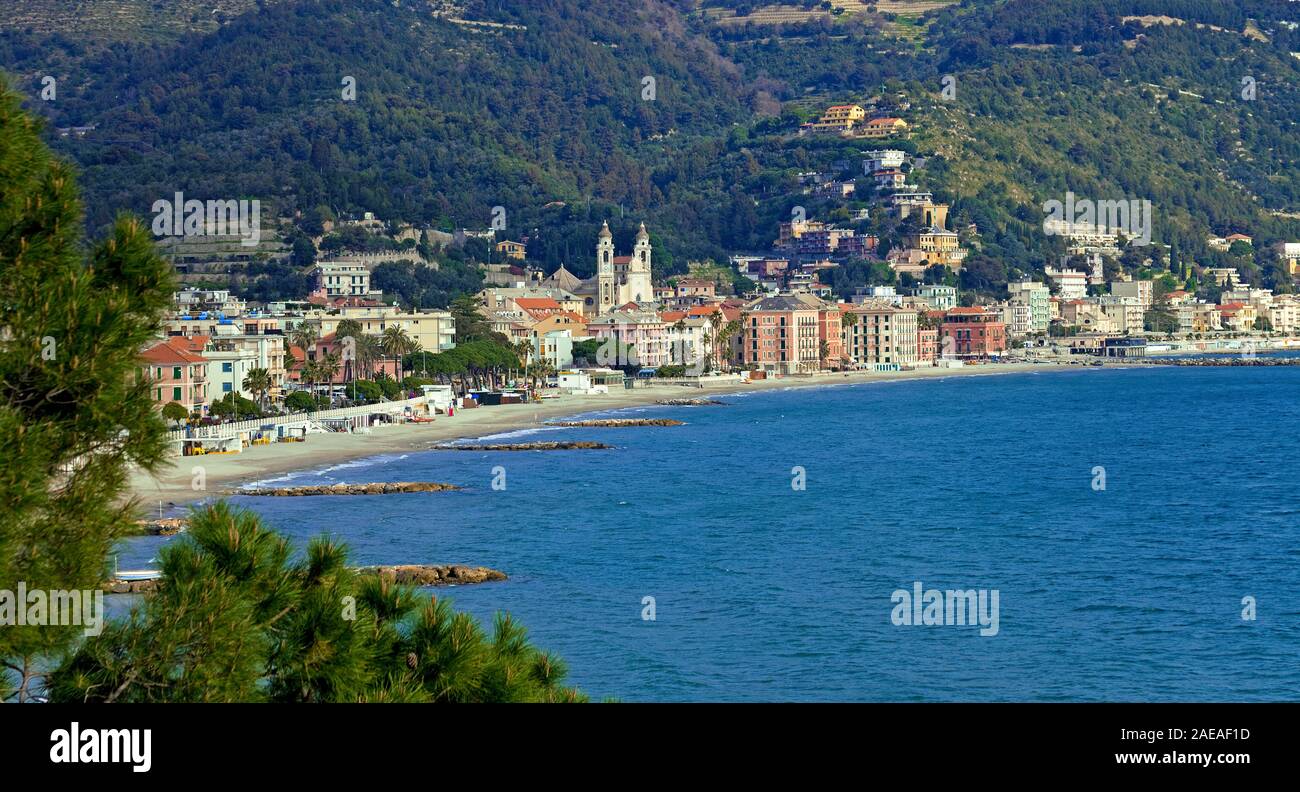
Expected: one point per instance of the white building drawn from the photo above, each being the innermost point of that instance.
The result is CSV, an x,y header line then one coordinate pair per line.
x,y
938,297
883,159
1070,284
342,278
228,365
1140,290
1126,313
555,348
434,331
1038,299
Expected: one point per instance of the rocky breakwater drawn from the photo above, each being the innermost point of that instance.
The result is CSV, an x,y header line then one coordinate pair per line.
x,y
406,574
380,488
129,586
689,402
166,526
548,446
1246,359
428,575
621,422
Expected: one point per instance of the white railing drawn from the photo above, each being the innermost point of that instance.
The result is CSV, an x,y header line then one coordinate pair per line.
x,y
225,430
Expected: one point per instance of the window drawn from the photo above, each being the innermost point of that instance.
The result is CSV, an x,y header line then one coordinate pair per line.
x,y
225,387
227,367
176,372
176,394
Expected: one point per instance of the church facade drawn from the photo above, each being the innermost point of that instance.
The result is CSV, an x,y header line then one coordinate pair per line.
x,y
619,280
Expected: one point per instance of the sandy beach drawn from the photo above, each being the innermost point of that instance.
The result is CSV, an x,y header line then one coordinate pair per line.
x,y
174,486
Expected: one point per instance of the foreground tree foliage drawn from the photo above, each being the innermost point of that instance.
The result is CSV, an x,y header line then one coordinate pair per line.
x,y
238,619
72,415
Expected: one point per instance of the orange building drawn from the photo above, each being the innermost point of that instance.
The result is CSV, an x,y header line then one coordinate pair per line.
x,y
972,334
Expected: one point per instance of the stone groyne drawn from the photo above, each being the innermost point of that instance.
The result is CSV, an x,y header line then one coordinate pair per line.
x,y
689,402
164,526
548,446
379,488
406,574
621,422
428,575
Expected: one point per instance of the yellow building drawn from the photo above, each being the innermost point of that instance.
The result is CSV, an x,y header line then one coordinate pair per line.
x,y
514,250
840,118
883,127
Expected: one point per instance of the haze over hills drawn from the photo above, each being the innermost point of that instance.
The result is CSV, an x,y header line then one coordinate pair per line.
x,y
463,107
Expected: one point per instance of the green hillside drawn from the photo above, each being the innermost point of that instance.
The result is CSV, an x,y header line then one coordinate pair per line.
x,y
538,107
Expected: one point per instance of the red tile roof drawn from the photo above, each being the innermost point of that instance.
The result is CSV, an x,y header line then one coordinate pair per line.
x,y
164,352
537,303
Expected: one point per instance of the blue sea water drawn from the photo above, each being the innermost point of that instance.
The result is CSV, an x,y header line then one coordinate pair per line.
x,y
763,592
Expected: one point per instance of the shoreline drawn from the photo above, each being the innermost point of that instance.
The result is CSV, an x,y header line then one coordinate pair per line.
x,y
223,475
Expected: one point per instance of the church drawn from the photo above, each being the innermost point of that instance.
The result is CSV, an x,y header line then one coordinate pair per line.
x,y
619,279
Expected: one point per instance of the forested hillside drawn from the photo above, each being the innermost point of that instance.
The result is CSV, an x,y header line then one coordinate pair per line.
x,y
542,108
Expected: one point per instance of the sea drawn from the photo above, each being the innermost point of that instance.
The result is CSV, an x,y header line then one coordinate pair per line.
x,y
1114,535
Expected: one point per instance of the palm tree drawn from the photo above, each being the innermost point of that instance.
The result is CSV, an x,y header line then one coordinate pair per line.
x,y
310,373
367,350
349,328
304,336
729,331
715,321
327,368
416,349
258,382
396,343
848,320
524,349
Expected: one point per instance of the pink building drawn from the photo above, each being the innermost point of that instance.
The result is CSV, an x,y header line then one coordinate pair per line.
x,y
645,332
781,334
175,375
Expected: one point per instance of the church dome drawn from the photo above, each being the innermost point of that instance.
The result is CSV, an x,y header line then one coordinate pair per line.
x,y
642,234
604,230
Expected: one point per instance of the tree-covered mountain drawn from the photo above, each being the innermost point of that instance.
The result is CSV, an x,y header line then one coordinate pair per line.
x,y
542,108
529,103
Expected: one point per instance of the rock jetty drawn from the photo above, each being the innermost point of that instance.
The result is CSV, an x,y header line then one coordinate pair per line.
x,y
429,575
620,422
129,586
166,526
407,574
1229,361
689,402
380,488
549,446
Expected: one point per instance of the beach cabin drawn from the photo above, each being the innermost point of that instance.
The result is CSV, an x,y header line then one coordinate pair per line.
x,y
439,397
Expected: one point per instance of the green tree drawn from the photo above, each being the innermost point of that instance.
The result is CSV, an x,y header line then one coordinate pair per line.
x,y
236,619
396,343
75,414
299,401
258,381
175,411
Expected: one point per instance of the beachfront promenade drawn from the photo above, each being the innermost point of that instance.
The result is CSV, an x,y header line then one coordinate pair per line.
x,y
232,429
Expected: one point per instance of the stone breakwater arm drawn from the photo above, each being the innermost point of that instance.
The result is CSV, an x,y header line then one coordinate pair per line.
x,y
548,446
619,422
688,402
407,574
381,488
